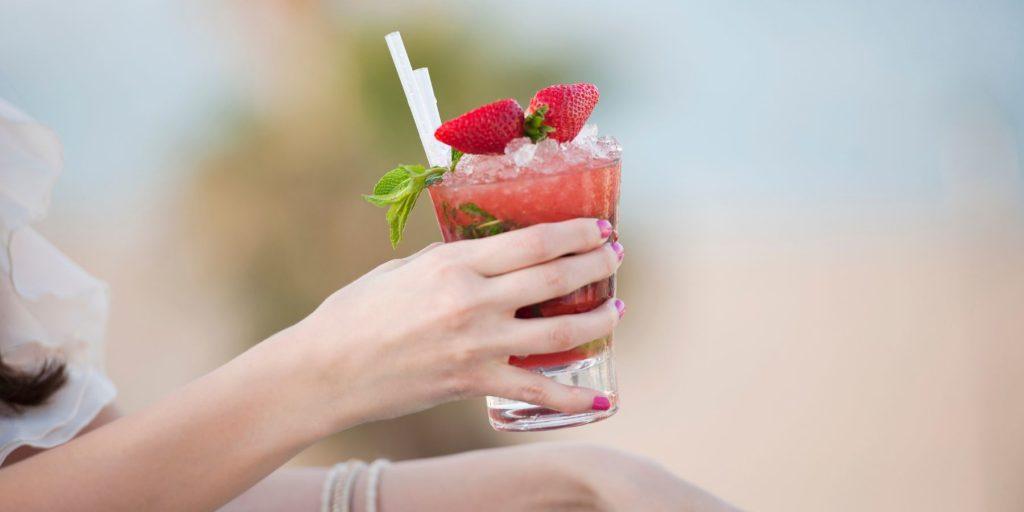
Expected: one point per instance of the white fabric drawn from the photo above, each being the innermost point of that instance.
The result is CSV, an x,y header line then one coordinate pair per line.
x,y
49,307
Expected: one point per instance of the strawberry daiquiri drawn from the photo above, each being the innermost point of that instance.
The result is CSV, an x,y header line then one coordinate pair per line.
x,y
513,169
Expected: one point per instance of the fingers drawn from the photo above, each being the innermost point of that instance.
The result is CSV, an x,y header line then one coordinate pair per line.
x,y
529,246
533,388
560,333
558,277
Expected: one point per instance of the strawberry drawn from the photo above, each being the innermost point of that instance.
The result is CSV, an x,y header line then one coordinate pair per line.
x,y
568,107
486,130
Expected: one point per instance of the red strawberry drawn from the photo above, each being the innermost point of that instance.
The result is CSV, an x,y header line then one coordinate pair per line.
x,y
486,130
569,107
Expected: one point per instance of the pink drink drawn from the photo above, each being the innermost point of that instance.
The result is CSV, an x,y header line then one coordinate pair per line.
x,y
511,198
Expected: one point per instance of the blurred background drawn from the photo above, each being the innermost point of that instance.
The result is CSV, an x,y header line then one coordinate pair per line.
x,y
823,205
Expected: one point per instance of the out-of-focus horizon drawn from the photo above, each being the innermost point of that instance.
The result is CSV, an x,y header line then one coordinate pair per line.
x,y
823,207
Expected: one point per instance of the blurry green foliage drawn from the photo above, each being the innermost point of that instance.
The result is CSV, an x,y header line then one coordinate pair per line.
x,y
278,203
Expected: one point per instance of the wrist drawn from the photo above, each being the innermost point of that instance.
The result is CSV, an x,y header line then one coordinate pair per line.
x,y
288,378
319,380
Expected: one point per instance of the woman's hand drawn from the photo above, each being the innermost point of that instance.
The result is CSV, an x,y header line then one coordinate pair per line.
x,y
440,324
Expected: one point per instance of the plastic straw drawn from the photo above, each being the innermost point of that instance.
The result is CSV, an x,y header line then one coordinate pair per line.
x,y
417,102
429,102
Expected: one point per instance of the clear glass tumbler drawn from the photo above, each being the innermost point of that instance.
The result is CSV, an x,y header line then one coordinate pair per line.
x,y
579,189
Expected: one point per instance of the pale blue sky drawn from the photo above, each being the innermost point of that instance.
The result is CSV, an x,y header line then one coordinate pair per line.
x,y
726,106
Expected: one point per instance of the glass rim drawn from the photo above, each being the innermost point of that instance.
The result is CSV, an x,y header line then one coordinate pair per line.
x,y
604,164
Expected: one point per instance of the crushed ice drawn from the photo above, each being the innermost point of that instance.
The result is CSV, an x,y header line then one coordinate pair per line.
x,y
522,156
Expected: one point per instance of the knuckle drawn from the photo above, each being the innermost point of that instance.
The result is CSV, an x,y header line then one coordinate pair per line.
x,y
534,244
445,270
455,308
554,278
464,356
446,255
563,335
456,292
534,394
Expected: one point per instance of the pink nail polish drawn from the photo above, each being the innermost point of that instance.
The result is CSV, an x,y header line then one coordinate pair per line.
x,y
620,251
605,227
620,307
601,403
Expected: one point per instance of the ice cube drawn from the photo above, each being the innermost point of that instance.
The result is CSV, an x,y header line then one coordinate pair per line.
x,y
523,156
521,151
589,131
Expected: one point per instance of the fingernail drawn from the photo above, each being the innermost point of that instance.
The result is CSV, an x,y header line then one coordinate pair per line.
x,y
620,307
605,227
601,403
619,250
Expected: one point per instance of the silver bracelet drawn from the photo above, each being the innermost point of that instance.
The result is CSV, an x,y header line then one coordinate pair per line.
x,y
329,483
373,483
343,492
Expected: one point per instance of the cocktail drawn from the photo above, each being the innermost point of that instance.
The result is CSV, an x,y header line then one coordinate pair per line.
x,y
489,194
510,169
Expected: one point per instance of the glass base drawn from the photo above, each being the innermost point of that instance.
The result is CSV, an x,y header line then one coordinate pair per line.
x,y
595,373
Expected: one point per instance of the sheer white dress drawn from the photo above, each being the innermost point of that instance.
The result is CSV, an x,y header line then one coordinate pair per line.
x,y
49,307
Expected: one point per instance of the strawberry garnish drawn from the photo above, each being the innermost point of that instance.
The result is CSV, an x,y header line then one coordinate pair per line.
x,y
562,110
486,130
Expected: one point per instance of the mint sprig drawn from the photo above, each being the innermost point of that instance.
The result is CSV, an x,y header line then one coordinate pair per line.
x,y
488,224
398,190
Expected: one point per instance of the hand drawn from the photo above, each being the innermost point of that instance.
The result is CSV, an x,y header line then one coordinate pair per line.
x,y
440,325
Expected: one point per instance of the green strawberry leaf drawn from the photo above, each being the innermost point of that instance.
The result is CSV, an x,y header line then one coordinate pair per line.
x,y
534,127
456,156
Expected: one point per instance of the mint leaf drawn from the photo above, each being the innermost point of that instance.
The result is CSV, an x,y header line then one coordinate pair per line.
x,y
489,225
397,216
394,197
391,180
433,178
393,186
473,209
398,190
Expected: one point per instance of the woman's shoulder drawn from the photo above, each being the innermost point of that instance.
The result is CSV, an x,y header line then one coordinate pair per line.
x,y
51,309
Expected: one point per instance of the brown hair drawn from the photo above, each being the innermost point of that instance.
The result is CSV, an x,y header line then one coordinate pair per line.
x,y
20,389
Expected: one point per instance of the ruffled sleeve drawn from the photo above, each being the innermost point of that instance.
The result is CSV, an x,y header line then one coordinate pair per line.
x,y
49,306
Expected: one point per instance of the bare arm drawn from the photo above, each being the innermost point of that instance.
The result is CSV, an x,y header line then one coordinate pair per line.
x,y
194,450
537,478
407,336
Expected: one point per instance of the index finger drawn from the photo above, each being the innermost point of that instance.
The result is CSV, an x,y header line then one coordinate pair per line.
x,y
533,245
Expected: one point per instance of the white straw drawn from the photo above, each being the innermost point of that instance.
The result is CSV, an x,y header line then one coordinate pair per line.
x,y
440,150
415,97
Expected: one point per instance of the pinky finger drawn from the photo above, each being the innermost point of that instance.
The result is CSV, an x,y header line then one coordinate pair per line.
x,y
515,383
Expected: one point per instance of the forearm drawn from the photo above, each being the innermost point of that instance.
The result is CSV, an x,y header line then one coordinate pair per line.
x,y
501,479
539,477
194,450
287,489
